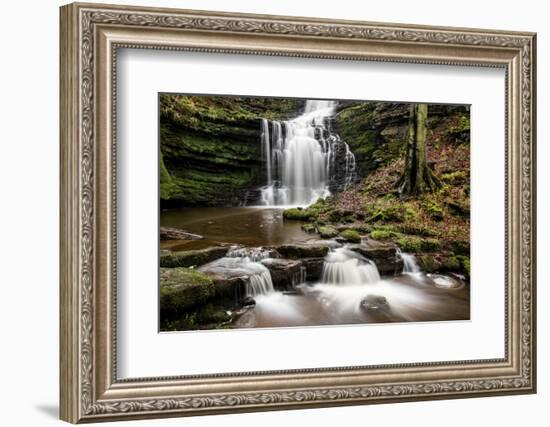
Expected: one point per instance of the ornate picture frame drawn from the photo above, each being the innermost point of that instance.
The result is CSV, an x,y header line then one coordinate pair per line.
x,y
90,37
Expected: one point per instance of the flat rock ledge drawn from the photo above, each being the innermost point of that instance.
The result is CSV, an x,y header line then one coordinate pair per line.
x,y
193,258
385,256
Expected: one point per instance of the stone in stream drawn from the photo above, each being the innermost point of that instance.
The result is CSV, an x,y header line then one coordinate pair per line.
x,y
374,303
171,233
182,289
314,268
192,258
293,251
384,255
285,273
249,302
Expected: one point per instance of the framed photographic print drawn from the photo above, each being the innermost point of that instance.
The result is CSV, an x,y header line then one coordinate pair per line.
x,y
267,212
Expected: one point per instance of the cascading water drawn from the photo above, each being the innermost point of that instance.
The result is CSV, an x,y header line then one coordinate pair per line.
x,y
258,277
301,157
409,263
345,267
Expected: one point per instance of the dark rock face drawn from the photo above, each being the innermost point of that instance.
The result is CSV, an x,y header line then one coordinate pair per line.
x,y
302,251
374,303
285,273
314,268
210,147
376,131
192,258
170,233
385,256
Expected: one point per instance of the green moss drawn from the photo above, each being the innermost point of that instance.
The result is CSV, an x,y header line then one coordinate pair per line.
x,y
328,232
363,228
454,177
451,264
464,264
431,245
427,263
462,125
299,214
382,234
410,244
416,229
351,236
339,215
167,185
309,228
182,288
459,208
459,247
433,209
392,212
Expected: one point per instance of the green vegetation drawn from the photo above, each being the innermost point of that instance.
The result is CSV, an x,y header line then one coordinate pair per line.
x,y
182,288
327,232
351,236
410,244
210,154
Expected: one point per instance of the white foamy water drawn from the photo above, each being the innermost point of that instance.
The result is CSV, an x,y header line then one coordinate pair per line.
x,y
300,156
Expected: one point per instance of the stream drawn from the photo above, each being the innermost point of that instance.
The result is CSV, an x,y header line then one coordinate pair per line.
x,y
350,290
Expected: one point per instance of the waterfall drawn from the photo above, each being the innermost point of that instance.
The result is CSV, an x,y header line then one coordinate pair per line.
x,y
409,263
345,267
259,283
302,157
258,277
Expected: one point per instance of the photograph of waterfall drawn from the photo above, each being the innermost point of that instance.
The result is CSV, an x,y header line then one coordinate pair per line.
x,y
288,212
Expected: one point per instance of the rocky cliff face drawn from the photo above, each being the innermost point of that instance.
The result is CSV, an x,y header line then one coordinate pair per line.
x,y
210,150
209,147
376,131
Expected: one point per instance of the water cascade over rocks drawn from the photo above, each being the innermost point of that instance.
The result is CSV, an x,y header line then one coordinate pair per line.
x,y
345,267
304,158
409,263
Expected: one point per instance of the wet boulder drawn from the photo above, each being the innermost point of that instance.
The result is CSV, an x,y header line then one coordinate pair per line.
x,y
374,303
292,251
182,289
314,268
384,255
191,258
285,273
229,283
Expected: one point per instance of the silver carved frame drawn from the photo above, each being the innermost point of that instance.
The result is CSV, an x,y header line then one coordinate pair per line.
x,y
90,36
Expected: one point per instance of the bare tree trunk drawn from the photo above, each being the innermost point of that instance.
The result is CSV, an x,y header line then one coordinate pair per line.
x,y
417,177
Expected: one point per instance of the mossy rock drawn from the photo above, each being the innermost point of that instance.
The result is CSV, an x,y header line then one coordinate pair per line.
x,y
382,234
338,215
298,214
417,230
434,210
399,212
328,232
192,258
309,228
410,244
351,236
183,288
